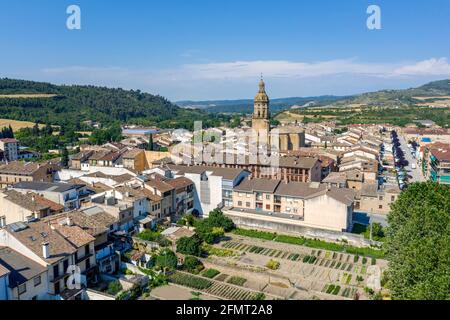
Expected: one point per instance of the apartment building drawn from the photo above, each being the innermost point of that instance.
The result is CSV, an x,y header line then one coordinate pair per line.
x,y
100,225
59,247
436,163
18,171
305,204
24,279
65,194
134,159
213,186
374,199
19,207
10,148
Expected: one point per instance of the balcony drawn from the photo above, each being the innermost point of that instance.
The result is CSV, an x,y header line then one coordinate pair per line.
x,y
85,257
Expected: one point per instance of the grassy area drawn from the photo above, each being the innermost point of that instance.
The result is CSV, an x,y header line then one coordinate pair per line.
x,y
312,243
210,273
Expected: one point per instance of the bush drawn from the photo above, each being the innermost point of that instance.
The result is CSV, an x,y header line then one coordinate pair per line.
x,y
336,290
192,264
149,235
255,234
210,273
213,227
114,287
272,264
166,259
190,281
237,280
190,246
259,296
219,252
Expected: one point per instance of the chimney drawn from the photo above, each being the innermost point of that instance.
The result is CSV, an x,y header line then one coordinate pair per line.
x,y
46,250
33,198
69,222
2,221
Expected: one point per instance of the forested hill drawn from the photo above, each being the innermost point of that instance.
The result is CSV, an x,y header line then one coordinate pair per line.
x,y
62,105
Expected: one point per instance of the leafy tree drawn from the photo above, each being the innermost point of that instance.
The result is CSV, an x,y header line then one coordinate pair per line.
x,y
213,227
216,218
65,157
150,142
191,246
192,264
166,259
418,242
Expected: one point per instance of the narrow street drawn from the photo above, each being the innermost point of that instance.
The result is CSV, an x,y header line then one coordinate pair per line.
x,y
416,173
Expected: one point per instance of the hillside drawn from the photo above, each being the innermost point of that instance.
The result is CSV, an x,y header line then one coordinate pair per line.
x,y
399,107
430,91
246,105
61,105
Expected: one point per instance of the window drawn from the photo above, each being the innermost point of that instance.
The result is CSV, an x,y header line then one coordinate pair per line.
x,y
381,198
37,281
57,288
56,271
267,196
267,206
86,250
392,198
240,203
380,207
247,204
66,264
22,288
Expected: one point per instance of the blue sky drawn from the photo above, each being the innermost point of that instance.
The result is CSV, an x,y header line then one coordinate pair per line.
x,y
216,49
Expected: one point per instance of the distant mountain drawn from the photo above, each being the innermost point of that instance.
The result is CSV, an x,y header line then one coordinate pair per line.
x,y
246,105
71,105
432,91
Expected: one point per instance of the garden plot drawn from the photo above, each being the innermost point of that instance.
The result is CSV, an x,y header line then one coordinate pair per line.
x,y
214,288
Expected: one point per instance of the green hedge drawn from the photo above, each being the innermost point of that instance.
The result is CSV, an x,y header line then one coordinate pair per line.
x,y
312,243
255,234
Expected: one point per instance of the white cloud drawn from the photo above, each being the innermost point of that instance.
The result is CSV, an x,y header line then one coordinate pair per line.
x,y
237,79
427,67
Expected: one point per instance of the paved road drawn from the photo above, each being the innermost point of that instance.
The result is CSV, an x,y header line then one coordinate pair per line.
x,y
416,174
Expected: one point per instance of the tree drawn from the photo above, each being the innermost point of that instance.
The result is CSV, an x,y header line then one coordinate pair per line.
x,y
192,264
191,246
213,227
166,259
150,142
36,130
217,219
418,242
65,158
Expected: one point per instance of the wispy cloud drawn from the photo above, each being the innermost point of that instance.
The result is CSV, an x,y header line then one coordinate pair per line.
x,y
427,67
222,79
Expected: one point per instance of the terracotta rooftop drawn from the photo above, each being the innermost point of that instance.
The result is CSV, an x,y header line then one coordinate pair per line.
x,y
63,240
258,185
20,167
133,153
20,268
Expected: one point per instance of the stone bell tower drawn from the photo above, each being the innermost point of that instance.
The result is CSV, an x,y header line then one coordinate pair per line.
x,y
261,116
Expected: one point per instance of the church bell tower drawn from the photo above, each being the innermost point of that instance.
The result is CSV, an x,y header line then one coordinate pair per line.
x,y
261,116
